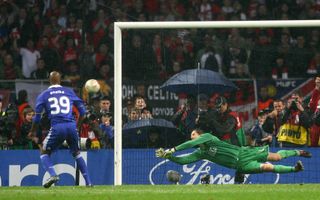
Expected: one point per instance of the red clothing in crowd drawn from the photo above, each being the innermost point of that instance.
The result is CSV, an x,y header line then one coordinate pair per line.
x,y
100,33
315,130
69,54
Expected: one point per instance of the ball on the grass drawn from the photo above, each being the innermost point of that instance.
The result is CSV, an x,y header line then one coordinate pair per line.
x,y
92,86
173,176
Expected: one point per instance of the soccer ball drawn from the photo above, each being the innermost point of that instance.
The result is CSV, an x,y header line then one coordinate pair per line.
x,y
173,176
92,86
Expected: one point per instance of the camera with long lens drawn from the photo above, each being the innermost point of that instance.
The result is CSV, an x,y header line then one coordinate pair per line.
x,y
294,104
3,137
2,121
8,122
89,120
11,114
90,117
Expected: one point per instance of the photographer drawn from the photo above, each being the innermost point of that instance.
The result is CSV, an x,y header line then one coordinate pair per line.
x,y
3,136
9,128
89,128
185,117
225,124
295,124
258,134
222,122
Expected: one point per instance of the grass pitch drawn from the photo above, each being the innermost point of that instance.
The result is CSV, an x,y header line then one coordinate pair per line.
x,y
165,192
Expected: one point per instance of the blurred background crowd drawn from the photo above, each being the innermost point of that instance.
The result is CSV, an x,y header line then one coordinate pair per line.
x,y
75,37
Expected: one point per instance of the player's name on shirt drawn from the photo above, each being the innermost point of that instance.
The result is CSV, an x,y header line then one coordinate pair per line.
x,y
57,92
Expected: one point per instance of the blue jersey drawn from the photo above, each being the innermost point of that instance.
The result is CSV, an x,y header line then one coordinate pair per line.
x,y
57,102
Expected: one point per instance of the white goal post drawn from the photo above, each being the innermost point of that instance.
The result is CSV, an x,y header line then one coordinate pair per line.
x,y
119,26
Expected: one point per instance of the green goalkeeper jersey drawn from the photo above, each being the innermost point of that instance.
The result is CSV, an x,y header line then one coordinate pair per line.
x,y
210,148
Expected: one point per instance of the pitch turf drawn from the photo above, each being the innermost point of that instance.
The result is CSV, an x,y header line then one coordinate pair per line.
x,y
165,192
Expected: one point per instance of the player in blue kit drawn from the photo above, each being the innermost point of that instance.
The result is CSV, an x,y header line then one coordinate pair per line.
x,y
57,102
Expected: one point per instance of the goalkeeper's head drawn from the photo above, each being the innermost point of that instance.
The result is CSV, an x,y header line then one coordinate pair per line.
x,y
196,133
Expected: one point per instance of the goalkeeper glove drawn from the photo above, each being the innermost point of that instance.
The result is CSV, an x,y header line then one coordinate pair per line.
x,y
161,153
169,152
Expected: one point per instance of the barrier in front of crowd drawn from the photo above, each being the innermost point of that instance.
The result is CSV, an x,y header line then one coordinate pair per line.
x,y
140,166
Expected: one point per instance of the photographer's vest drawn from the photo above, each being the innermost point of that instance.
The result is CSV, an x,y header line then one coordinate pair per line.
x,y
293,132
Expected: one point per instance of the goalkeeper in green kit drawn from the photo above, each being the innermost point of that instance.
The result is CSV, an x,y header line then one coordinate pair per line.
x,y
247,160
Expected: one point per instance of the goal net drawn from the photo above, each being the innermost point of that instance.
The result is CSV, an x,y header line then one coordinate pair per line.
x,y
147,54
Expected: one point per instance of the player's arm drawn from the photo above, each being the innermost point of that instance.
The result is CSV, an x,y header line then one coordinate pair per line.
x,y
81,119
79,104
190,158
187,145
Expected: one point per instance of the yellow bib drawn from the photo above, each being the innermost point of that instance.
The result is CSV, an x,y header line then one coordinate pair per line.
x,y
293,133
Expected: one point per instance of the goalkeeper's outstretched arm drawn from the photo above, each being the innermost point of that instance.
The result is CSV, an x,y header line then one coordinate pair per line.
x,y
190,158
185,159
197,139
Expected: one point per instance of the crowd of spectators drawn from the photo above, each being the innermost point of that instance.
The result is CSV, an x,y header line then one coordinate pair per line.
x,y
96,130
280,123
75,37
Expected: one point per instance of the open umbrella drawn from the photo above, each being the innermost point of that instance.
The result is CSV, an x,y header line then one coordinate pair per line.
x,y
196,81
136,133
137,124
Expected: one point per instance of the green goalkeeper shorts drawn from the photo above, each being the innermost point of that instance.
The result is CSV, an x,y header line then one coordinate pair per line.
x,y
251,158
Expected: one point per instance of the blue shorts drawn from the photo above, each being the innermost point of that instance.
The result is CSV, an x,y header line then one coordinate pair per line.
x,y
58,134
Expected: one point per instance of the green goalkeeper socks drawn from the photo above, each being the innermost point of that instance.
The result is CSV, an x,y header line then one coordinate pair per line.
x,y
281,169
288,153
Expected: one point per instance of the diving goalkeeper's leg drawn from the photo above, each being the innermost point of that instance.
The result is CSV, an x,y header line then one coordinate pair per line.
x,y
282,169
282,154
256,167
